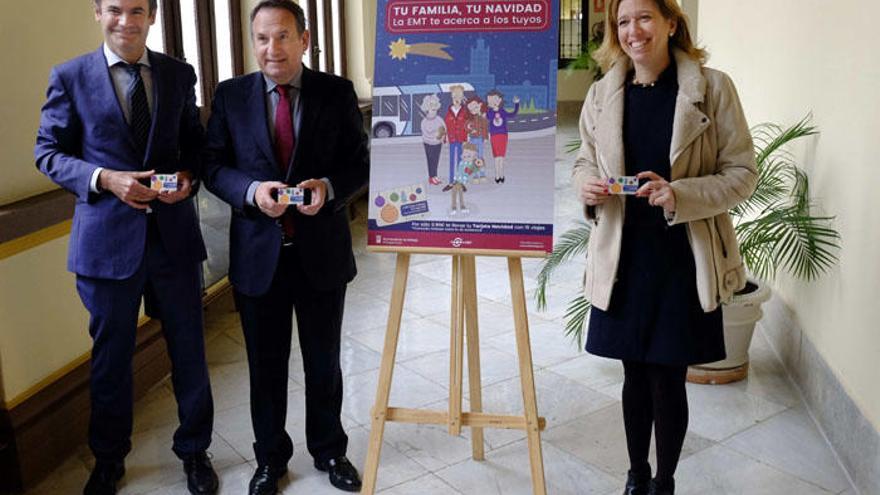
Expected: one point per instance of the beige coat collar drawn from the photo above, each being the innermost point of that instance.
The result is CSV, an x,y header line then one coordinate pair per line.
x,y
689,121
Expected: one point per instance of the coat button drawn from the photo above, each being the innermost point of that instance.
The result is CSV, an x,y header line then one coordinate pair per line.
x,y
730,280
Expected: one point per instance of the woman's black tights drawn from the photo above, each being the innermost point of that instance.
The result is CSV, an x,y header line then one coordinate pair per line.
x,y
654,395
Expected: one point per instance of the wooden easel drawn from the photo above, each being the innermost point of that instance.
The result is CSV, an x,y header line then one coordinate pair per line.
x,y
464,308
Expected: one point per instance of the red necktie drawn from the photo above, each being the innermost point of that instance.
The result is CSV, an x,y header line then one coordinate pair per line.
x,y
284,144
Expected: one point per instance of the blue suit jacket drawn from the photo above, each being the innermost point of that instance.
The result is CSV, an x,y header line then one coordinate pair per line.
x,y
331,143
82,127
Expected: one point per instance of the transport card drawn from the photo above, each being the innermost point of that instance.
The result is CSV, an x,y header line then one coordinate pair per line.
x,y
291,196
163,182
625,184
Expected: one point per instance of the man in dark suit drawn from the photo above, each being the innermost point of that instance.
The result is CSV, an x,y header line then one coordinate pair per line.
x,y
112,119
288,125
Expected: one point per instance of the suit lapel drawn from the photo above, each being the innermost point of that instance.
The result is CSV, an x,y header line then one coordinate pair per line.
x,y
160,90
99,72
309,110
259,121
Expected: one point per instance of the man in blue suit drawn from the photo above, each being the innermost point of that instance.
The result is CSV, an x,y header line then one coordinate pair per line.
x,y
288,125
112,119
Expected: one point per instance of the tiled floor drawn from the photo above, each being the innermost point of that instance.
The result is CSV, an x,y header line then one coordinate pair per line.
x,y
754,437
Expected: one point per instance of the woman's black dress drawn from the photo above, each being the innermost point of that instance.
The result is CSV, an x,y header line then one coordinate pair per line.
x,y
654,315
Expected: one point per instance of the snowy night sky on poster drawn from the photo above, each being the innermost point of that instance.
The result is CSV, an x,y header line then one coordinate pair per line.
x,y
516,56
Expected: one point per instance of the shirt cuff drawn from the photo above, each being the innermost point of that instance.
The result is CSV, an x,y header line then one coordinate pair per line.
x,y
330,193
93,183
251,192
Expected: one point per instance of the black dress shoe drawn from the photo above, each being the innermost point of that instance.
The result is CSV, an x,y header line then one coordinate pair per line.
x,y
200,476
265,480
637,483
661,488
342,474
103,479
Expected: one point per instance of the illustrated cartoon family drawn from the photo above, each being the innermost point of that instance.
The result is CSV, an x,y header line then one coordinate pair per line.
x,y
468,123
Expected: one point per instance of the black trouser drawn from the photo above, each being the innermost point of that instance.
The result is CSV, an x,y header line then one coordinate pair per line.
x,y
655,396
267,322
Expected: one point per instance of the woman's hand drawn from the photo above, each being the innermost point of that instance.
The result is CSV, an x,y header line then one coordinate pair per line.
x,y
594,191
657,191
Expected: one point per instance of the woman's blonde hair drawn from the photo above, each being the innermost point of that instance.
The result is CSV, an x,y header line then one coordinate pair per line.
x,y
610,50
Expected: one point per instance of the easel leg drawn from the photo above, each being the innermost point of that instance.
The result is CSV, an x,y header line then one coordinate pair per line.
x,y
473,351
526,375
386,370
456,344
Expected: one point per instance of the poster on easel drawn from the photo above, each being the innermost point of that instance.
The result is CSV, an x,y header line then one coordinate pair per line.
x,y
464,126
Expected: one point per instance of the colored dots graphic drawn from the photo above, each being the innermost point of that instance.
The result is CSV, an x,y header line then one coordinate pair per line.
x,y
418,190
389,213
394,197
413,197
380,201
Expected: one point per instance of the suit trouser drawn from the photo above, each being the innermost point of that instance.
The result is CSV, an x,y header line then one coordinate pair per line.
x,y
114,306
267,322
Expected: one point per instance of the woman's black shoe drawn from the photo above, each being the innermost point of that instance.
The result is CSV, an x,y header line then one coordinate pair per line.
x,y
661,488
637,484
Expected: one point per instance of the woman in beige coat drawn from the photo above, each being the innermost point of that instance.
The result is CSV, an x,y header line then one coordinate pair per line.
x,y
661,261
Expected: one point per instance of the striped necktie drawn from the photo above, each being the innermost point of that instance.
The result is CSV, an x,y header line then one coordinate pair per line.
x,y
139,116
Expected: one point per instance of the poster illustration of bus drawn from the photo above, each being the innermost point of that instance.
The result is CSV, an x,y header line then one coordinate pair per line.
x,y
463,125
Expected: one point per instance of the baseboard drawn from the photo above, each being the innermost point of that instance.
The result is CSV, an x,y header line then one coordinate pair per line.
x,y
39,433
853,437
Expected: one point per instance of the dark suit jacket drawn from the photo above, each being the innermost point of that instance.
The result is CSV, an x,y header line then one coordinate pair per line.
x,y
82,127
331,143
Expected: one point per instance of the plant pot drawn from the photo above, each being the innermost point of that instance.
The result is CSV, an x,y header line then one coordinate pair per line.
x,y
740,316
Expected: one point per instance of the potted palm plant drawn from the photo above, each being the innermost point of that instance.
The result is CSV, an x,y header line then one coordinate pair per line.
x,y
776,231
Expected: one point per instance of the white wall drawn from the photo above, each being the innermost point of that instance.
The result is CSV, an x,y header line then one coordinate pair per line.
x,y
34,37
790,57
43,326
